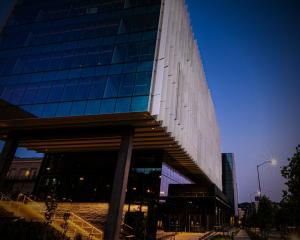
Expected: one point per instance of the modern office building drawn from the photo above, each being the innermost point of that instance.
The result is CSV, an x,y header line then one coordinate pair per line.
x,y
229,180
112,92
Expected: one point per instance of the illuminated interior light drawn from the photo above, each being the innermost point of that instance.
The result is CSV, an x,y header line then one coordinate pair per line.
x,y
27,173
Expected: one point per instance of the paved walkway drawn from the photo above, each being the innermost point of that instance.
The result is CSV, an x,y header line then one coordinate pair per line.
x,y
242,235
188,236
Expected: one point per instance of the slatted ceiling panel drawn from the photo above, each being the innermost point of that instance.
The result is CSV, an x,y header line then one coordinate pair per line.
x,y
148,134
125,119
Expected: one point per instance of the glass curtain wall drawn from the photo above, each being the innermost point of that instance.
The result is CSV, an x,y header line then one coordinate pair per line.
x,y
171,176
69,57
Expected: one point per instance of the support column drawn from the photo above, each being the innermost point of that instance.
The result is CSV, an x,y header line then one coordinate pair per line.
x,y
114,217
6,158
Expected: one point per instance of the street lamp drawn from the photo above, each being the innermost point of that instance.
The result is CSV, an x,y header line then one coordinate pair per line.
x,y
272,162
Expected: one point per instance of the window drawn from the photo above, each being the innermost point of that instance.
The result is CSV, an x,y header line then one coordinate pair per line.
x,y
83,89
108,106
64,109
43,92
145,66
50,110
100,71
69,91
30,95
112,86
93,107
115,69
56,92
139,104
37,110
142,83
17,95
129,67
123,105
97,88
127,85
78,108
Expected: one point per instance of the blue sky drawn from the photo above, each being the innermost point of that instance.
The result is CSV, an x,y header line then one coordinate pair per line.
x,y
251,56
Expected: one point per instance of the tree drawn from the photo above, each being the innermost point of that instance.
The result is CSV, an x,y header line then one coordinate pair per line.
x,y
265,215
291,196
51,205
65,224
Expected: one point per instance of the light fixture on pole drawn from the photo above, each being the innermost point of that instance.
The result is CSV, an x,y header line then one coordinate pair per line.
x,y
272,162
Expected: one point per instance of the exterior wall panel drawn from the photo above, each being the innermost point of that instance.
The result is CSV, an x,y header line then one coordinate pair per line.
x,y
180,95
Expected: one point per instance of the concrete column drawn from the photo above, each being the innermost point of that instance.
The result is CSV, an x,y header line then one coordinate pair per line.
x,y
6,158
114,217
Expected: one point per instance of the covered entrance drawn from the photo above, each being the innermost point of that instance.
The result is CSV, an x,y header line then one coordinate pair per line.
x,y
66,142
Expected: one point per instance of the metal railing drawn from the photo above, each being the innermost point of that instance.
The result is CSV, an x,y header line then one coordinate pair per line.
x,y
127,232
94,233
36,206
92,230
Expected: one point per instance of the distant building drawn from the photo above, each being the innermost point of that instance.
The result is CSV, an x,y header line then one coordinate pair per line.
x,y
229,180
22,175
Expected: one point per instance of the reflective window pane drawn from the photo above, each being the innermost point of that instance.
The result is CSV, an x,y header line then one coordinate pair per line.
x,y
127,85
64,109
50,110
56,92
37,110
139,104
142,83
123,105
112,86
108,106
78,108
93,107
97,88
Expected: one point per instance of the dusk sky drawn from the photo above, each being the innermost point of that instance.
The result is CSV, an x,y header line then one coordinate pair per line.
x,y
251,57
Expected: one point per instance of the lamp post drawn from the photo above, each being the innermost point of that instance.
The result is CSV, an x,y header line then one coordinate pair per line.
x,y
272,162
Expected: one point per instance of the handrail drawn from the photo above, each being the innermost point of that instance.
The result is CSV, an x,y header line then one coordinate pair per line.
x,y
83,221
25,199
208,235
125,225
4,197
73,217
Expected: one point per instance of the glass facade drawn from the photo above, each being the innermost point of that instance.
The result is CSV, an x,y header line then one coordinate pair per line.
x,y
171,176
70,58
88,176
228,177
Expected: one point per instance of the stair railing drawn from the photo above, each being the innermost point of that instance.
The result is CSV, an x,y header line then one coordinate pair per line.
x,y
4,197
92,230
74,218
38,207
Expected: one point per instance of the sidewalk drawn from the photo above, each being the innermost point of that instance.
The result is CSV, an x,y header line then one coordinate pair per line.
x,y
188,236
242,235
